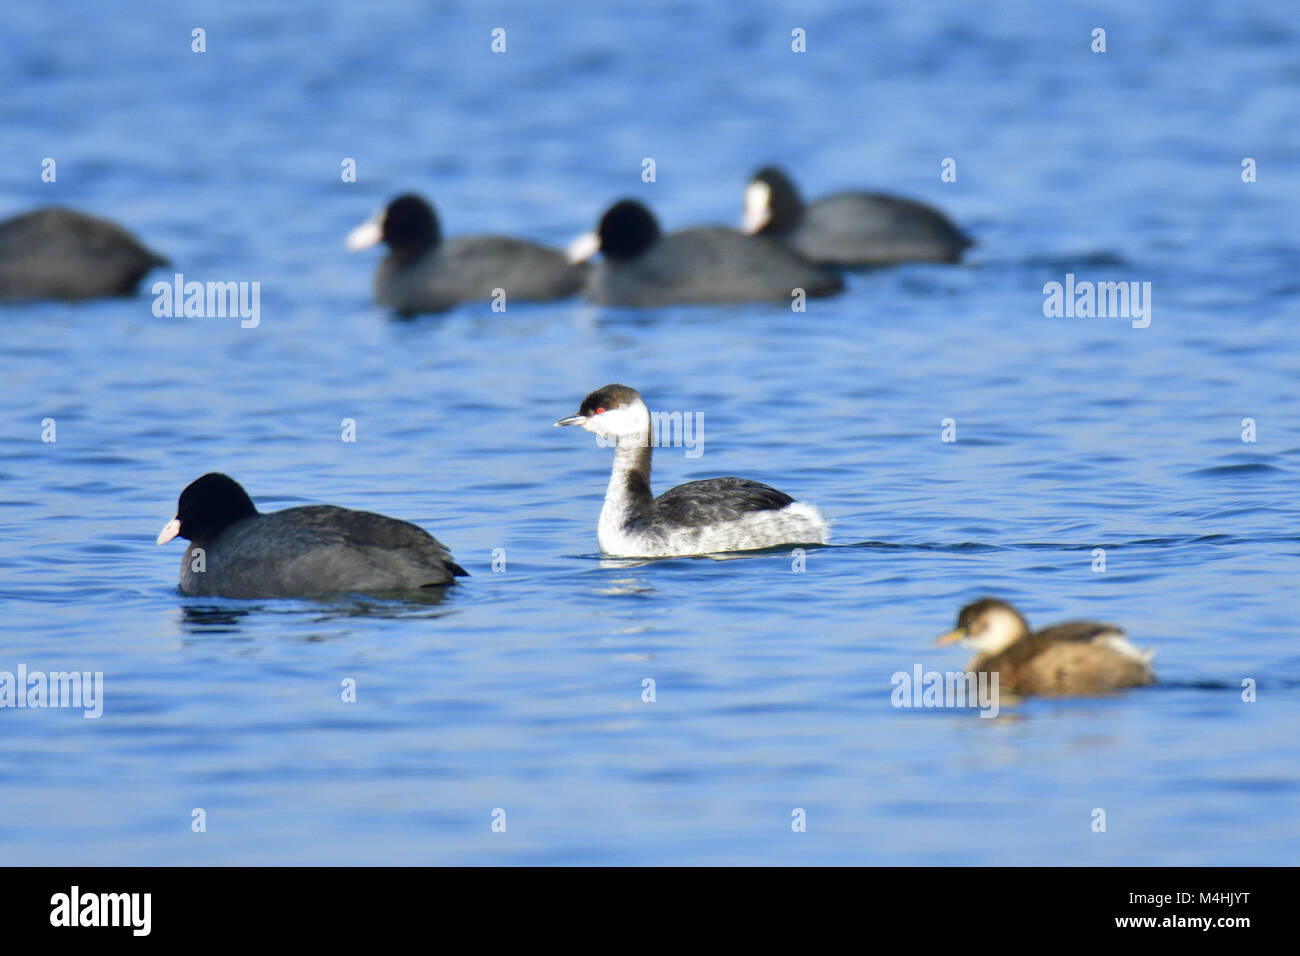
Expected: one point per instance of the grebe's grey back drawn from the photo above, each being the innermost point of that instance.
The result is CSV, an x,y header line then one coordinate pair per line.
x,y
698,517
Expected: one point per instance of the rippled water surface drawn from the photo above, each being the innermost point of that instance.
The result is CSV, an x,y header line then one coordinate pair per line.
x,y
523,689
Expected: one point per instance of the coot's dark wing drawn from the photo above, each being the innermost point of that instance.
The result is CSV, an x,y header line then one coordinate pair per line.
x,y
710,264
64,254
872,228
728,265
716,499
322,548
472,268
366,529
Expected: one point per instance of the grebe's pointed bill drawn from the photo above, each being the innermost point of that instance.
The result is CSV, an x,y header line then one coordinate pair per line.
x,y
572,420
170,530
583,248
758,207
369,233
952,637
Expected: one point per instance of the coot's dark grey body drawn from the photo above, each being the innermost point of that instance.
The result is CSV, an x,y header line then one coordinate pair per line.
x,y
299,552
318,549
870,229
707,264
859,228
424,273
470,269
64,254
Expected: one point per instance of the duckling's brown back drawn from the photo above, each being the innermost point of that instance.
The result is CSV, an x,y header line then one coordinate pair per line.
x,y
1080,668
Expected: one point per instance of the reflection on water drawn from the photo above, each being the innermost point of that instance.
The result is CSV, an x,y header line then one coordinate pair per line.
x,y
225,617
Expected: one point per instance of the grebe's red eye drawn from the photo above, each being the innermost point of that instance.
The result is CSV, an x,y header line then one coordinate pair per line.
x,y
600,411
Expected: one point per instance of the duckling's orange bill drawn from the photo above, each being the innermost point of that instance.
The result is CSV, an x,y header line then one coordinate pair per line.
x,y
952,637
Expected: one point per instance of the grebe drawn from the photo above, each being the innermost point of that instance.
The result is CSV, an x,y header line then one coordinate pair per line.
x,y
423,273
1081,657
298,552
698,517
849,228
708,264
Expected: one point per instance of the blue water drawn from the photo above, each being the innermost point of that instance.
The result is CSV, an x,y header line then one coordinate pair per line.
x,y
522,690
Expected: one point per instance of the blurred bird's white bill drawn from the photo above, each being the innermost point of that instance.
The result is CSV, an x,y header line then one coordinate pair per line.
x,y
369,233
584,247
170,530
572,420
758,208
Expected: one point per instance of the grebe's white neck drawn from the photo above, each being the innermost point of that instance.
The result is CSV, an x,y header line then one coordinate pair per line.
x,y
628,495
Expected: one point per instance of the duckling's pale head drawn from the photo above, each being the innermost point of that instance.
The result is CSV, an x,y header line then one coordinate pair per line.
x,y
988,625
615,412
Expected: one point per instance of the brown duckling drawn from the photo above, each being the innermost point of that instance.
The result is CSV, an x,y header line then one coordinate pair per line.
x,y
1076,658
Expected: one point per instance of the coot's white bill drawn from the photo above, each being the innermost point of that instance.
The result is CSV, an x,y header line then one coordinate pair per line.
x,y
758,207
170,530
369,233
583,248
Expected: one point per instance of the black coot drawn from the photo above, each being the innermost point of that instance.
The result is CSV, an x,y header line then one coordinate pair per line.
x,y
425,273
299,552
64,254
641,267
850,228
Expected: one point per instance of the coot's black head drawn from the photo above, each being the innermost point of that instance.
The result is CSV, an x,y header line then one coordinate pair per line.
x,y
407,224
627,230
772,203
207,507
409,220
